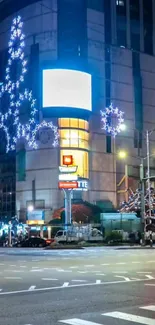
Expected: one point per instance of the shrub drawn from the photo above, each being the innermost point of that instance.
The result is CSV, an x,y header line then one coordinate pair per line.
x,y
114,237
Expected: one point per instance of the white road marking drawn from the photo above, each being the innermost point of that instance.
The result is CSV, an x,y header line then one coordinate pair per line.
x,y
136,262
49,279
12,278
121,263
74,267
120,272
12,265
36,270
17,271
66,284
98,281
79,280
1,264
89,265
83,272
150,277
23,266
131,318
77,321
144,272
32,288
100,274
105,264
150,261
151,308
121,276
73,286
65,271
150,284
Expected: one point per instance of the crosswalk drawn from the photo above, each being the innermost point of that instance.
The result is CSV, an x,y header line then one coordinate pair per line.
x,y
126,317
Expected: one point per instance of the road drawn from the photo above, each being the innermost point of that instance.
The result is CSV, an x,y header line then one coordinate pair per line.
x,y
94,286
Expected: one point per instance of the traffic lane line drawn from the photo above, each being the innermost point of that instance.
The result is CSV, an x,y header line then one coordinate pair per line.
x,y
77,321
130,317
49,279
13,278
73,286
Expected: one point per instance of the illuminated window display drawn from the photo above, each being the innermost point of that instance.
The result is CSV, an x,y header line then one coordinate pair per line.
x,y
74,134
80,159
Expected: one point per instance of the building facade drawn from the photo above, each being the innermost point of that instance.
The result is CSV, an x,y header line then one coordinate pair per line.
x,y
113,40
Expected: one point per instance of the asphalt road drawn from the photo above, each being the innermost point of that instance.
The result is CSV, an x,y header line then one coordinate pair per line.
x,y
94,286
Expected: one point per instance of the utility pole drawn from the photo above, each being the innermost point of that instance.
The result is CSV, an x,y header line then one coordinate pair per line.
x,y
126,183
148,171
143,221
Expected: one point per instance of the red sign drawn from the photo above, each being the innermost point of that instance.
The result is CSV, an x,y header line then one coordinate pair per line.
x,y
67,185
68,160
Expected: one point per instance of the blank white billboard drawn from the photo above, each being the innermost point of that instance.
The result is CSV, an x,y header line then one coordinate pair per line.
x,y
67,88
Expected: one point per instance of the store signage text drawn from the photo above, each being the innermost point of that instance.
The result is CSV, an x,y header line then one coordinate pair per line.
x,y
67,185
68,177
67,169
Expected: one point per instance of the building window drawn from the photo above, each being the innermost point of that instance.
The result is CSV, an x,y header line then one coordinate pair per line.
x,y
137,100
121,22
107,21
80,159
73,123
148,26
135,24
74,138
96,5
134,9
108,144
21,165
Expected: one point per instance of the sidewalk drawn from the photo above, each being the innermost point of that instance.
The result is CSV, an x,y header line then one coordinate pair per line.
x,y
134,247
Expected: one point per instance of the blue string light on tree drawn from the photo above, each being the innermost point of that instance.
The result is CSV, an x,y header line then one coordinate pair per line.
x,y
106,117
16,95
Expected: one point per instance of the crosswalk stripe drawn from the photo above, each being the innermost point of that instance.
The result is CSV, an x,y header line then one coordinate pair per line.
x,y
77,321
131,318
151,308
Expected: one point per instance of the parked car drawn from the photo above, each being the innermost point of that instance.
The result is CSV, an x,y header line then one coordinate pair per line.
x,y
34,242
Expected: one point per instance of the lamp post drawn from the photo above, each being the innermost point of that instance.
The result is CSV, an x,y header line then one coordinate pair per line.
x,y
143,221
148,168
122,155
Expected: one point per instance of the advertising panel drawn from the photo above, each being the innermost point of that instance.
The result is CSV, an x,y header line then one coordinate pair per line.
x,y
35,217
67,88
67,185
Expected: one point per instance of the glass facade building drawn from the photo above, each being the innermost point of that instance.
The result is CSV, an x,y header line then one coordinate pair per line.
x,y
114,41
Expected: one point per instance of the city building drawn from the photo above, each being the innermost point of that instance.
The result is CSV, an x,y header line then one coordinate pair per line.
x,y
114,42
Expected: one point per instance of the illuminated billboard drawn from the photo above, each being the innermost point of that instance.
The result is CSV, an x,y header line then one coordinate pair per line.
x,y
67,88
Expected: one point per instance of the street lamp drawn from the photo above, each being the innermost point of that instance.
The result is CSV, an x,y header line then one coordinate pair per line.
x,y
30,208
122,154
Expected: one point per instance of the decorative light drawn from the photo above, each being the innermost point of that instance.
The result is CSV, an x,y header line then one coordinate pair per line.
x,y
44,124
134,201
106,116
16,97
